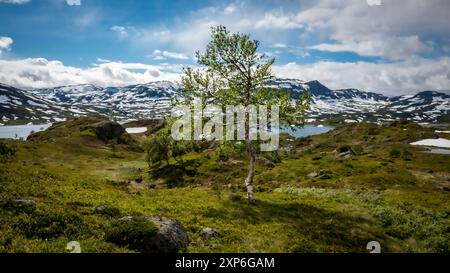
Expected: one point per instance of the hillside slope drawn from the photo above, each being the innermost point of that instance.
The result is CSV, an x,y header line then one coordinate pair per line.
x,y
329,193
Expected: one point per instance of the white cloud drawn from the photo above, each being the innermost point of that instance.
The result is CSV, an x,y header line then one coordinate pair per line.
x,y
188,37
162,55
101,60
392,47
279,45
193,31
397,29
40,73
73,2
5,44
403,77
388,78
14,1
276,21
230,9
120,30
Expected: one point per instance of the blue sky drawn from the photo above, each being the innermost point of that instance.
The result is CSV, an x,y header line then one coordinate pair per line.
x,y
387,46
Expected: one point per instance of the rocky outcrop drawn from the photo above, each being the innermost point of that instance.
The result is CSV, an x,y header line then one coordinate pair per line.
x,y
107,130
149,234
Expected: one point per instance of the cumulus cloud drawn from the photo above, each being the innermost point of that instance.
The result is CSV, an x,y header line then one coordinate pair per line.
x,y
41,73
187,37
194,30
405,77
5,44
73,2
394,78
162,55
15,1
120,30
273,20
397,29
395,48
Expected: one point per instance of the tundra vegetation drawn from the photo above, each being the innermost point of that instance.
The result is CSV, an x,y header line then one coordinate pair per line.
x,y
333,192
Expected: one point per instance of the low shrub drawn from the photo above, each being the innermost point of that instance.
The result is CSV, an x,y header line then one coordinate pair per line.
x,y
131,232
7,150
47,225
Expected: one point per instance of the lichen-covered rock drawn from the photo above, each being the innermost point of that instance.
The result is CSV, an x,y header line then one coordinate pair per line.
x,y
107,210
27,206
209,233
171,235
149,234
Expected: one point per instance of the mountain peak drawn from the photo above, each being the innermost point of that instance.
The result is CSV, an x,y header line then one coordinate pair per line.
x,y
432,93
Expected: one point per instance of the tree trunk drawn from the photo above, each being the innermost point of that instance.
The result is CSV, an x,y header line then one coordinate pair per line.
x,y
251,171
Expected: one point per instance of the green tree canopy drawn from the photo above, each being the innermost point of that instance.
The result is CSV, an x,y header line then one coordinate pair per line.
x,y
232,72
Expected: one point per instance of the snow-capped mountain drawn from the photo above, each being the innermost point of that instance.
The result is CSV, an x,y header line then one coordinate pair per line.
x,y
133,101
348,104
17,106
426,105
153,100
88,93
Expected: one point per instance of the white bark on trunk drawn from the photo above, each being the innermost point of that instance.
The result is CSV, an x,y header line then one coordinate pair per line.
x,y
251,172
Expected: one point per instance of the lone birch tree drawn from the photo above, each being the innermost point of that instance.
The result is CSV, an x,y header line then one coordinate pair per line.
x,y
232,72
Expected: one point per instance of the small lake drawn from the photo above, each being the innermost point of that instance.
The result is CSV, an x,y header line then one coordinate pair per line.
x,y
21,131
439,151
307,130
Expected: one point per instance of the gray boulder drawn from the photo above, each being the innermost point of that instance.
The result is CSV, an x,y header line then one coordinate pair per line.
x,y
27,206
171,235
149,234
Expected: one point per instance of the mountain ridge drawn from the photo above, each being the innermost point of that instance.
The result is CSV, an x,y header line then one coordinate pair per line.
x,y
152,100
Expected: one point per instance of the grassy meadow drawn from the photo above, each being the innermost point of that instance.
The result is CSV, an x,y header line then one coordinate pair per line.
x,y
333,192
